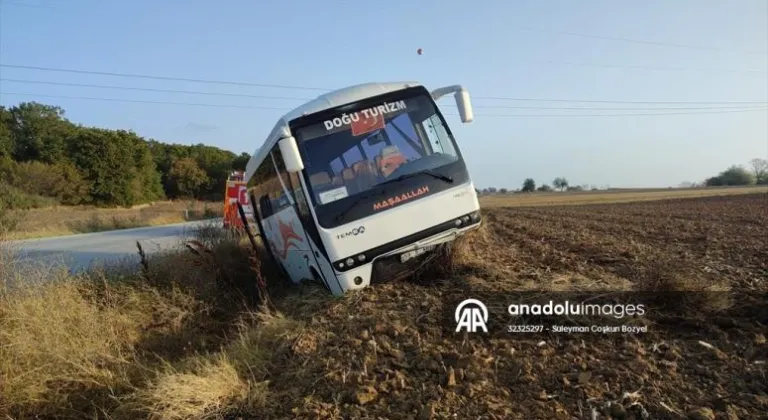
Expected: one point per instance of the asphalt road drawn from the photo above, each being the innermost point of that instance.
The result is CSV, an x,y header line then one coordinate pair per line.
x,y
81,251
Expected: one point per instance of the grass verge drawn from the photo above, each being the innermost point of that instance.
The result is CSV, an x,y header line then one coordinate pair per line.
x,y
67,220
175,339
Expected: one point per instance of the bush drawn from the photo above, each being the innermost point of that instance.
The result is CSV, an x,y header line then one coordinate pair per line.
x,y
12,201
735,175
13,198
61,182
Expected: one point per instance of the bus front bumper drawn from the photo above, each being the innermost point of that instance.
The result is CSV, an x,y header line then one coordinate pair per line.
x,y
405,257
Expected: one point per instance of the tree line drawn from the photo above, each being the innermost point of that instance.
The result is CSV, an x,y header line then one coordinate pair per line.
x,y
529,185
755,174
47,159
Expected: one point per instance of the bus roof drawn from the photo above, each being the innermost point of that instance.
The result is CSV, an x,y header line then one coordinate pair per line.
x,y
325,101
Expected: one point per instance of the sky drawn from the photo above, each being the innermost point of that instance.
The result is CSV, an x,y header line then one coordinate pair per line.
x,y
655,51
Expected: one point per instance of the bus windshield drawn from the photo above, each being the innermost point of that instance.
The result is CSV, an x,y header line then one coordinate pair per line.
x,y
351,154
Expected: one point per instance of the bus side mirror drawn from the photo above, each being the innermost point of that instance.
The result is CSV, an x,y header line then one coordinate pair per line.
x,y
291,156
464,105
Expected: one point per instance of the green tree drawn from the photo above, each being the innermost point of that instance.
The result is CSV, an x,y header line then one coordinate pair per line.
x,y
146,186
149,179
62,181
560,183
40,132
735,175
544,188
106,167
529,185
101,157
239,163
759,170
217,164
187,178
7,144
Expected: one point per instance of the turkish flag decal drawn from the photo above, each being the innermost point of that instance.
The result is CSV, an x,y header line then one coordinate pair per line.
x,y
366,125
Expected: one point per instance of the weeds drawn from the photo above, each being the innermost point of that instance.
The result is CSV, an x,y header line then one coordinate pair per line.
x,y
77,346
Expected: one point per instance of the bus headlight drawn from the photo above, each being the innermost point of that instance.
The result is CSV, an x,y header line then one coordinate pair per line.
x,y
349,262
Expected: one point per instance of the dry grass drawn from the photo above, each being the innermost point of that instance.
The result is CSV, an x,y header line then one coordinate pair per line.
x,y
203,390
149,345
66,220
610,196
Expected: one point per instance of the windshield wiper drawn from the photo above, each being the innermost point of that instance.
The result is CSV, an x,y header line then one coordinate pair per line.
x,y
430,172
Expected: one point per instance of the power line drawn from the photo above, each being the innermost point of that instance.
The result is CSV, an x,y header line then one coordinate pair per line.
x,y
641,41
501,98
208,81
624,115
48,6
12,3
481,115
577,108
762,73
242,95
144,101
144,76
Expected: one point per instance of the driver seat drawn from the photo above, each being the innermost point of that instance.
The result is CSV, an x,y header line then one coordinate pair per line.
x,y
389,160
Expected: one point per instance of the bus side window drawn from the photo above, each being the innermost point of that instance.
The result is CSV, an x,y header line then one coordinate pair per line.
x,y
438,137
280,202
265,206
281,199
298,194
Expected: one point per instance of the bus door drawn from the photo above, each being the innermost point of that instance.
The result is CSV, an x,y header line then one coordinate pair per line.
x,y
287,234
319,259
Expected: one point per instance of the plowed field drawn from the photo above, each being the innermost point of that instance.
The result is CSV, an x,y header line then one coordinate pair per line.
x,y
383,353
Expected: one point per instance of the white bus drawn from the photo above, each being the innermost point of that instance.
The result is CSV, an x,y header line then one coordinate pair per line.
x,y
362,181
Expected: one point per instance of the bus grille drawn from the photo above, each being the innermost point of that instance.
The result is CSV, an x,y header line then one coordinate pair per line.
x,y
390,268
